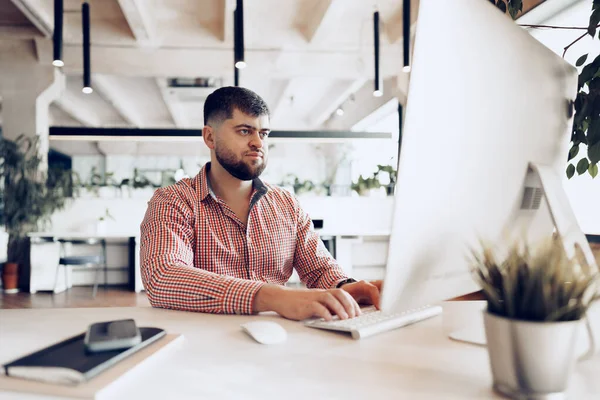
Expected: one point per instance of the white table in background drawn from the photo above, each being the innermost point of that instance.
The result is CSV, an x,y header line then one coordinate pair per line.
x,y
131,241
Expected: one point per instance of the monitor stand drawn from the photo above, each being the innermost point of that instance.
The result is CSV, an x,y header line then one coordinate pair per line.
x,y
575,244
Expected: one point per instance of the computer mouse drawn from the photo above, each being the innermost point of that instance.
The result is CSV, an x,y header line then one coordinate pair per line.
x,y
265,332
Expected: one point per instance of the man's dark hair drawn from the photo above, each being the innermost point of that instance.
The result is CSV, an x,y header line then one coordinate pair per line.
x,y
219,105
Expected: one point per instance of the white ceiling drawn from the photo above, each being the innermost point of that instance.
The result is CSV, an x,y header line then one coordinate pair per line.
x,y
305,57
300,54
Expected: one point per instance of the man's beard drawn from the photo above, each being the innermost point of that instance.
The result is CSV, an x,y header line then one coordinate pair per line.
x,y
238,168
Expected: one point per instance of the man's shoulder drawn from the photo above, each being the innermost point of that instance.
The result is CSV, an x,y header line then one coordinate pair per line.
x,y
278,193
184,191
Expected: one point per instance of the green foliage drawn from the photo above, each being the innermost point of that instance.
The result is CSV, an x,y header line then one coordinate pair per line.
x,y
106,215
303,186
586,125
29,193
364,184
514,7
535,285
570,171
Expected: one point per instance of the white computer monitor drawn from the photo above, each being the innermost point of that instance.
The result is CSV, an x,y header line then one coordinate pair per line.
x,y
485,100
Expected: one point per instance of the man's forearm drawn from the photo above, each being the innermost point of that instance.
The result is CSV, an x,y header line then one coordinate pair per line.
x,y
267,297
179,287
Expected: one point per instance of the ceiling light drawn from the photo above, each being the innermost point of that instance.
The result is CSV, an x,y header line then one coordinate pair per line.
x,y
406,34
57,36
85,24
378,89
238,35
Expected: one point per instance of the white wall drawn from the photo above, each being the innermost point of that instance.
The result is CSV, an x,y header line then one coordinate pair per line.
x,y
306,161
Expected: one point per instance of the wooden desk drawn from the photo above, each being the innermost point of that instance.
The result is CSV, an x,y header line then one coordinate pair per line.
x,y
216,360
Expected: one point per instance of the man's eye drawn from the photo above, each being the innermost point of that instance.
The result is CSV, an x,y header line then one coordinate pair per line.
x,y
264,134
244,131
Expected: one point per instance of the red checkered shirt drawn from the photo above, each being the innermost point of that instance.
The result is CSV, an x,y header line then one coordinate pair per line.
x,y
196,254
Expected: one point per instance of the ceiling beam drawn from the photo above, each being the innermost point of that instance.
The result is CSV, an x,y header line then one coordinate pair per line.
x,y
364,105
275,64
285,94
339,92
138,17
115,96
225,28
180,119
537,12
319,17
77,111
37,16
19,32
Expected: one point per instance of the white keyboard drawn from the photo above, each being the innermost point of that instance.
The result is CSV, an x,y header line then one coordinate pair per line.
x,y
373,321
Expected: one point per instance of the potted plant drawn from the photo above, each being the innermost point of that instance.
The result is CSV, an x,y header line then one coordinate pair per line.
x,y
101,226
30,194
365,186
536,301
387,176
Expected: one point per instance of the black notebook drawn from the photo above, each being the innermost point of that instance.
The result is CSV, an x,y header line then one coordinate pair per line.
x,y
68,362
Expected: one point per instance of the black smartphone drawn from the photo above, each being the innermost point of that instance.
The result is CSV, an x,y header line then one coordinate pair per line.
x,y
112,335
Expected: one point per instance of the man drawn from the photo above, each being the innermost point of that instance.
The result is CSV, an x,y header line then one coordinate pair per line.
x,y
226,242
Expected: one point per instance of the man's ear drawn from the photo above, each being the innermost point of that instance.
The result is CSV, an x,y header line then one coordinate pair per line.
x,y
208,134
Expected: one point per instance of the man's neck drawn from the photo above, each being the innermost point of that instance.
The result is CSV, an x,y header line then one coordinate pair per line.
x,y
226,186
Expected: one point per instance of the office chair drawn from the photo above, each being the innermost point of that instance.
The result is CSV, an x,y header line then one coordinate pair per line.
x,y
95,261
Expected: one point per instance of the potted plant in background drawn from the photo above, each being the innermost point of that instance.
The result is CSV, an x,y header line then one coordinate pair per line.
x,y
536,301
387,176
365,186
101,225
30,194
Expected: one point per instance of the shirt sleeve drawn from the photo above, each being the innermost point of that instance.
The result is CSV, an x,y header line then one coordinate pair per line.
x,y
167,264
314,264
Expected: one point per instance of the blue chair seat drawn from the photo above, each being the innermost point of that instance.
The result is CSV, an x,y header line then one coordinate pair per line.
x,y
80,260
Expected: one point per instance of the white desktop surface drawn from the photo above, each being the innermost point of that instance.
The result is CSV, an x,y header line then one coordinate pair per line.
x,y
216,360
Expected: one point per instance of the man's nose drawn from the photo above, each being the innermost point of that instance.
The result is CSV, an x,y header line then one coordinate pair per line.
x,y
256,141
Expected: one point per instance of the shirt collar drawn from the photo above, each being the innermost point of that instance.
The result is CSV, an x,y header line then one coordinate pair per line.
x,y
260,188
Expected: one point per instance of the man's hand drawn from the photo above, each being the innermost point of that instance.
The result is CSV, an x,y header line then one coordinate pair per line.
x,y
365,292
299,304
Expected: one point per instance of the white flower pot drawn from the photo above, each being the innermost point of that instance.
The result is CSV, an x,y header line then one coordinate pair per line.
x,y
101,227
530,360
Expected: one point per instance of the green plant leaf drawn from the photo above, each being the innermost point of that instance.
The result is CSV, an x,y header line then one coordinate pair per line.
x,y
581,60
573,152
593,170
514,7
582,166
593,132
570,171
589,71
501,5
594,153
